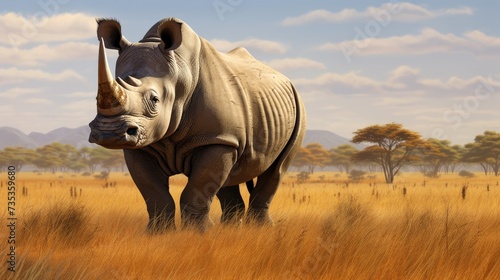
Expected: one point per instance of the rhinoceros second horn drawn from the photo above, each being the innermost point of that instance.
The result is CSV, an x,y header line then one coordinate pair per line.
x,y
111,97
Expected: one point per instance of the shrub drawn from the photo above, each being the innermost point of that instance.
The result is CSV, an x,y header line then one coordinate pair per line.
x,y
356,175
431,174
466,174
104,175
302,177
66,224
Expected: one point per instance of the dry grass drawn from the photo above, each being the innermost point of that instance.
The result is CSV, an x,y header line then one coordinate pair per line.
x,y
324,229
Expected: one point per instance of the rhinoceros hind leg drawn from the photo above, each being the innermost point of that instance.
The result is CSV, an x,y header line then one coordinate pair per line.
x,y
268,182
262,195
232,204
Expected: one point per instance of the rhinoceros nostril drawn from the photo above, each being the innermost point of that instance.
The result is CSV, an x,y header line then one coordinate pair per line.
x,y
132,131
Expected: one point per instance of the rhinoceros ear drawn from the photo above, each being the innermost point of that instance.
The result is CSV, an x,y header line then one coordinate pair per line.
x,y
111,31
170,33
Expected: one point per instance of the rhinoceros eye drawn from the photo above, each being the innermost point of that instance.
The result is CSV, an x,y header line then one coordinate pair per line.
x,y
151,101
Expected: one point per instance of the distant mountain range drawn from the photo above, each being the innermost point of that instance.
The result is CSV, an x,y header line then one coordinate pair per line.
x,y
328,139
78,137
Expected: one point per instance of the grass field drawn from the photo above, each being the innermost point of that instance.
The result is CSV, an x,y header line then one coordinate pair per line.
x,y
72,227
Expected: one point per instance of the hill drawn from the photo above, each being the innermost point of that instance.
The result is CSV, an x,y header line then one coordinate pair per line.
x,y
328,139
78,137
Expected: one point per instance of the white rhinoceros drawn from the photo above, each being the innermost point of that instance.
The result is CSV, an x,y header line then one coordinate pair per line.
x,y
178,105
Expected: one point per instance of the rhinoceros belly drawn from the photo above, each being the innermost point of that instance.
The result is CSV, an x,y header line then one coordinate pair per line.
x,y
271,123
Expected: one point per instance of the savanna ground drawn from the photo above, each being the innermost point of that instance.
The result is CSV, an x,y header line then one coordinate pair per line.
x,y
324,229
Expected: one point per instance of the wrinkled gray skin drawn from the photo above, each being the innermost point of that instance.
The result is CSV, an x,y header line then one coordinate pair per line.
x,y
177,105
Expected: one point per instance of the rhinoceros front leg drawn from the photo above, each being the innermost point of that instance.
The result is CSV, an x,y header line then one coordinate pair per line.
x,y
210,167
152,182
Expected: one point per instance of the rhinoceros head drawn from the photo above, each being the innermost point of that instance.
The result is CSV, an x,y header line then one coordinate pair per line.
x,y
154,81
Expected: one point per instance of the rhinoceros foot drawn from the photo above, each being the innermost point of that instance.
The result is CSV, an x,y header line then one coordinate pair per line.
x,y
259,217
159,225
200,222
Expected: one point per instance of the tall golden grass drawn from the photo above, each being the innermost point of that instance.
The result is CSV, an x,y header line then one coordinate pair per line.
x,y
417,228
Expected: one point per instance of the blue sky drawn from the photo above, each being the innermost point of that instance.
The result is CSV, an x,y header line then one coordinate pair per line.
x,y
434,67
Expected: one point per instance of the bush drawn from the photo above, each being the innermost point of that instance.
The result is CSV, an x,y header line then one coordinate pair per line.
x,y
466,174
356,175
64,224
104,175
302,177
431,174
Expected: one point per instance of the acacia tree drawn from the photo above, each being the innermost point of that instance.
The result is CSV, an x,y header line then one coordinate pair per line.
x,y
303,158
392,147
437,155
112,159
341,156
320,156
312,156
454,158
485,151
18,156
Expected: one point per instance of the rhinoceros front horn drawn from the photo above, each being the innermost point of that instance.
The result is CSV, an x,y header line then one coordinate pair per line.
x,y
111,97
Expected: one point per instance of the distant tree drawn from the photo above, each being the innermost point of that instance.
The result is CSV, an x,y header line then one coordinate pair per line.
x,y
311,156
4,160
77,165
18,156
86,157
320,156
436,155
393,147
485,150
112,159
56,156
48,158
454,158
304,157
341,157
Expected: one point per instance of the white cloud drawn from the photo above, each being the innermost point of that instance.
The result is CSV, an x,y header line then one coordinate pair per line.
x,y
428,41
295,63
404,96
19,30
477,83
47,53
402,80
41,101
81,106
397,101
82,94
459,11
15,92
16,75
252,44
401,12
351,82
321,15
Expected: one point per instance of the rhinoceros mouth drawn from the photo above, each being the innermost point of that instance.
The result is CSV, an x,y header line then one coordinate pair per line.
x,y
115,133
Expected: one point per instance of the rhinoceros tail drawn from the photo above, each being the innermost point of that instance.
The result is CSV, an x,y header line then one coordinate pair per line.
x,y
250,186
